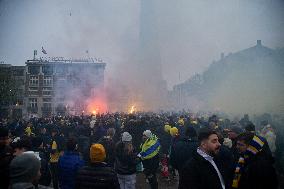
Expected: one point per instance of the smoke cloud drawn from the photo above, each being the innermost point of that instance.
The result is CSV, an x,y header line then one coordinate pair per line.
x,y
149,46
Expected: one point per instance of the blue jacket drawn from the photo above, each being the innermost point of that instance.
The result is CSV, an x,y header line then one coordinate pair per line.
x,y
68,165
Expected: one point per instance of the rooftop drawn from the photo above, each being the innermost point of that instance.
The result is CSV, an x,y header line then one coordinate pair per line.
x,y
62,60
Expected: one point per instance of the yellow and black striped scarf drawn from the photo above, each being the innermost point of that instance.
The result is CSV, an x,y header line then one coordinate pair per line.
x,y
254,147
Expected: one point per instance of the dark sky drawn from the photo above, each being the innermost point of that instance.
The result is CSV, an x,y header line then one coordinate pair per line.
x,y
191,34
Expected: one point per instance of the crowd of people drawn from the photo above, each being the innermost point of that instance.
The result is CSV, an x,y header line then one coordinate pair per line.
x,y
109,150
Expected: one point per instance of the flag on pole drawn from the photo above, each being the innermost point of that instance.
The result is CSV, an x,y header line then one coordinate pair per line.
x,y
43,51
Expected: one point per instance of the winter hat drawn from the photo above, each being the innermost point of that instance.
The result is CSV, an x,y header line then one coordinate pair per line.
x,y
167,128
174,131
97,153
126,137
227,142
147,133
24,168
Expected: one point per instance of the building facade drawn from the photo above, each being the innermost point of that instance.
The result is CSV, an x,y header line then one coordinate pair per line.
x,y
12,89
56,86
60,86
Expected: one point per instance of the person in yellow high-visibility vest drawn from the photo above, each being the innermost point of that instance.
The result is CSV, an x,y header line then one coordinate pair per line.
x,y
55,151
149,155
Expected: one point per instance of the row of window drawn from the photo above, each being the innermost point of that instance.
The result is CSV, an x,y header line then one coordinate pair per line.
x,y
46,102
59,69
47,80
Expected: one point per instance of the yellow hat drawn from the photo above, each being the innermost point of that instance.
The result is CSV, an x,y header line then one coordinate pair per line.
x,y
167,128
28,131
194,122
97,153
174,131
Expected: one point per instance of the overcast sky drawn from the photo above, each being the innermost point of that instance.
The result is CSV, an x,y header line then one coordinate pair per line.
x,y
191,33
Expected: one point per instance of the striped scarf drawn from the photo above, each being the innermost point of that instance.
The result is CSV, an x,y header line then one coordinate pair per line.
x,y
254,147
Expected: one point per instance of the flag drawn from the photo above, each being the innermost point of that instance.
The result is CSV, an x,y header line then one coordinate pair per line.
x,y
43,51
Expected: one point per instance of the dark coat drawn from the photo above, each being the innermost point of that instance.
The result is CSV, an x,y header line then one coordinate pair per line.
x,y
259,173
5,159
151,165
182,152
109,146
97,175
68,166
199,173
125,164
45,178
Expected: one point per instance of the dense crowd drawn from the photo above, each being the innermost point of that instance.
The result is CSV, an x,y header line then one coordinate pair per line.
x,y
108,150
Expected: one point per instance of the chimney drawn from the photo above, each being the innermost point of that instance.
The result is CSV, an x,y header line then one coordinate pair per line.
x,y
222,56
258,42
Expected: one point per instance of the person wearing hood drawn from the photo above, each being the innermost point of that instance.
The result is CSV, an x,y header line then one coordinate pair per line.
x,y
254,169
149,155
25,172
183,149
125,162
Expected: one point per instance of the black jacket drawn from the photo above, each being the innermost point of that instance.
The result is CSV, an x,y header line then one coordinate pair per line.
x,y
5,159
109,146
198,173
182,152
125,164
97,175
259,173
45,178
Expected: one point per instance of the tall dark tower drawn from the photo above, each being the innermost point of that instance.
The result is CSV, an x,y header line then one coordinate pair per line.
x,y
154,87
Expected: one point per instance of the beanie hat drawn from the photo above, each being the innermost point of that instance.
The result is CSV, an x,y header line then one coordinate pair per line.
x,y
126,137
97,153
24,168
167,128
147,133
228,142
174,131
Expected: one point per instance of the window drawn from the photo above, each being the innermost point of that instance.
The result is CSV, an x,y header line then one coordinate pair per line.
x,y
33,102
34,70
47,103
33,80
47,70
18,72
33,90
47,91
47,80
